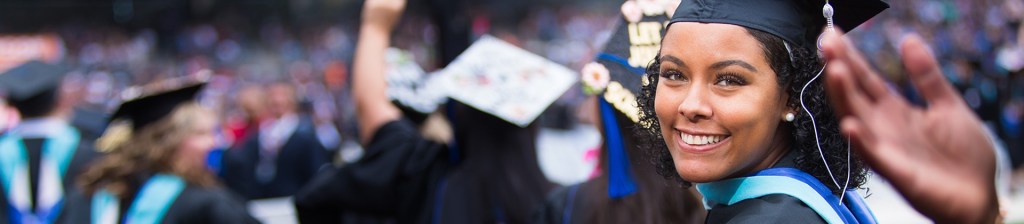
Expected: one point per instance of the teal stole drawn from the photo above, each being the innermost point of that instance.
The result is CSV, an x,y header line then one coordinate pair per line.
x,y
57,153
792,182
150,205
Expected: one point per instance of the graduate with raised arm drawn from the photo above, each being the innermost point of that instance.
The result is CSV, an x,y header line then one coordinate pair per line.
x,y
487,174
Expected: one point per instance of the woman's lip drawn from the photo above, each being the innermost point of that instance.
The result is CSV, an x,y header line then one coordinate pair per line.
x,y
683,146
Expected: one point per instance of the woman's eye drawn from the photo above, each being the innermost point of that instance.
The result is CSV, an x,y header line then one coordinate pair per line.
x,y
730,80
672,75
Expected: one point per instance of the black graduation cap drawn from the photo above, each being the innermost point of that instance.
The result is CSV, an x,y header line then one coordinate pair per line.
x,y
799,22
633,45
148,104
32,86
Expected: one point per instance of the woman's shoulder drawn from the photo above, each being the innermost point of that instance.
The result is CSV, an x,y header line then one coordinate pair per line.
x,y
197,204
208,192
773,208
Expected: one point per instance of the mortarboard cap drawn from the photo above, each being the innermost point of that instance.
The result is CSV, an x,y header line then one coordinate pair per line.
x,y
618,70
503,80
144,105
32,86
616,76
799,22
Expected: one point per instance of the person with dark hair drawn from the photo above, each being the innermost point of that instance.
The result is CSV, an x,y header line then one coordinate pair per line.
x,y
155,170
628,190
733,104
41,156
487,174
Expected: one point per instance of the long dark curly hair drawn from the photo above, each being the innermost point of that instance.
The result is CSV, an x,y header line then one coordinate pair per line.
x,y
792,75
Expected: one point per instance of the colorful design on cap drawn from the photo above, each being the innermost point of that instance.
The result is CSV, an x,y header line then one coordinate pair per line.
x,y
595,78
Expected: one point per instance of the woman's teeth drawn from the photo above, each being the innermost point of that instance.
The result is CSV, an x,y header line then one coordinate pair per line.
x,y
701,139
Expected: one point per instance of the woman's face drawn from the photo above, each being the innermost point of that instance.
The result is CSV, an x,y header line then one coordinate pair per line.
x,y
198,143
718,102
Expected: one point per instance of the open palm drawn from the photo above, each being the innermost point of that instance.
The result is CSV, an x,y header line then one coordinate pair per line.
x,y
939,157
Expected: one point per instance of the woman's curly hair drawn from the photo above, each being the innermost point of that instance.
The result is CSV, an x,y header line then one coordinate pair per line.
x,y
791,77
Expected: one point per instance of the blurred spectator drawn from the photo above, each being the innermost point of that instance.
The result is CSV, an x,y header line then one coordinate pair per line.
x,y
252,101
283,155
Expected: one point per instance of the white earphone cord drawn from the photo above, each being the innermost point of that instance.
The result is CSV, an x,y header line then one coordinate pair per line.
x,y
817,141
827,12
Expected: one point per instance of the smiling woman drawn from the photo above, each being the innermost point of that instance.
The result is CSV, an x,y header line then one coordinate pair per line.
x,y
720,115
723,106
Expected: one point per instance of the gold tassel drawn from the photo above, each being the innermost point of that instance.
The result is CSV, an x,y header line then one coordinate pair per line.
x,y
117,134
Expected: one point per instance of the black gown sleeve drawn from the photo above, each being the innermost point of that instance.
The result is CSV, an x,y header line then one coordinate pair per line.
x,y
774,208
207,205
554,207
193,205
395,176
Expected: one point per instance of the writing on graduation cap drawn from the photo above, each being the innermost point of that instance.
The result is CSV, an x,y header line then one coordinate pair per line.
x,y
644,40
645,21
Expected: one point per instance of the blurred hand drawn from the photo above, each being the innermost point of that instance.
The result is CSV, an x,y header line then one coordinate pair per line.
x,y
940,157
382,14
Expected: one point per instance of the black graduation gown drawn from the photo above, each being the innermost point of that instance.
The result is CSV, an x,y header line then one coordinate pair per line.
x,y
397,177
298,161
572,202
84,155
773,208
195,205
656,201
561,204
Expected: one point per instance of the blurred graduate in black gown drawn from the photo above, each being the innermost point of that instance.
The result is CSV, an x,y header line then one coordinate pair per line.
x,y
41,157
487,174
628,189
155,169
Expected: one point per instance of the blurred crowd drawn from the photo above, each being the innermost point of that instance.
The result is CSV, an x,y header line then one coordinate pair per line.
x,y
314,59
979,43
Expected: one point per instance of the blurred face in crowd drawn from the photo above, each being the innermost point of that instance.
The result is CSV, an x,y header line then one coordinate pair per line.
x,y
252,100
281,98
198,137
718,102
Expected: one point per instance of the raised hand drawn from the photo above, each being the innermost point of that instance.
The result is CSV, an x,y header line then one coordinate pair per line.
x,y
382,14
939,157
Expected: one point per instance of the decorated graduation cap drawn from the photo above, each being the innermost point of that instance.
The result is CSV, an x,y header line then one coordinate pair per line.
x,y
616,76
32,86
416,92
503,80
799,22
144,105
